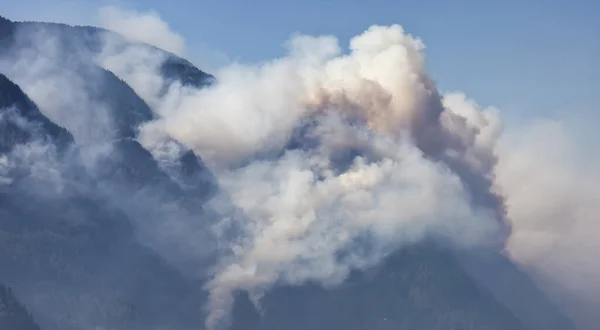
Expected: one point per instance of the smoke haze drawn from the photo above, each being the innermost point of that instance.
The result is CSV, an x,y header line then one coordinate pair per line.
x,y
146,27
550,181
329,159
324,148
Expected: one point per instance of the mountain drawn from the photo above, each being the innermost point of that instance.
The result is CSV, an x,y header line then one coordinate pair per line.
x,y
75,39
418,288
74,48
513,288
422,287
73,256
87,245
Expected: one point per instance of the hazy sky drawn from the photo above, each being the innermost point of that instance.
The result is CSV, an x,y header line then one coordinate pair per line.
x,y
528,57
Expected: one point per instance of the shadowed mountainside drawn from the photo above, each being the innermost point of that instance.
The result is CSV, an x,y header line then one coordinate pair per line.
x,y
71,255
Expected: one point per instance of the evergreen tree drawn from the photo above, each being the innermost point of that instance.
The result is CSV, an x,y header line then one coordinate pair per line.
x,y
13,315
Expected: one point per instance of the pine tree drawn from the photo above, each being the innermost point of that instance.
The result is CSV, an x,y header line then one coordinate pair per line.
x,y
13,315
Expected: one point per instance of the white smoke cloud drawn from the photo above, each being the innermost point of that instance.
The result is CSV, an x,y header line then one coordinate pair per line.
x,y
297,204
299,213
301,216
147,27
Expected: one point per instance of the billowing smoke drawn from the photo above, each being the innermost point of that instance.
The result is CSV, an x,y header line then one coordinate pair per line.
x,y
329,161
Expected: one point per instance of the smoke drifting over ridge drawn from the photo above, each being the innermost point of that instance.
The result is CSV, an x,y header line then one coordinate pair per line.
x,y
328,160
322,149
67,98
72,92
146,27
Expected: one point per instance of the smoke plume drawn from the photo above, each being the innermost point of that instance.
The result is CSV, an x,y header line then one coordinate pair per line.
x,y
330,159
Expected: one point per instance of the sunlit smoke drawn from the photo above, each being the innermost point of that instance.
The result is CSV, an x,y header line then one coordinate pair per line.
x,y
333,160
146,27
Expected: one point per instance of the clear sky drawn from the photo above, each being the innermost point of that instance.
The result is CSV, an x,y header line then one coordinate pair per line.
x,y
528,57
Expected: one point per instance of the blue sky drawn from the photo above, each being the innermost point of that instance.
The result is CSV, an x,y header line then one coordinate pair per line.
x,y
528,57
